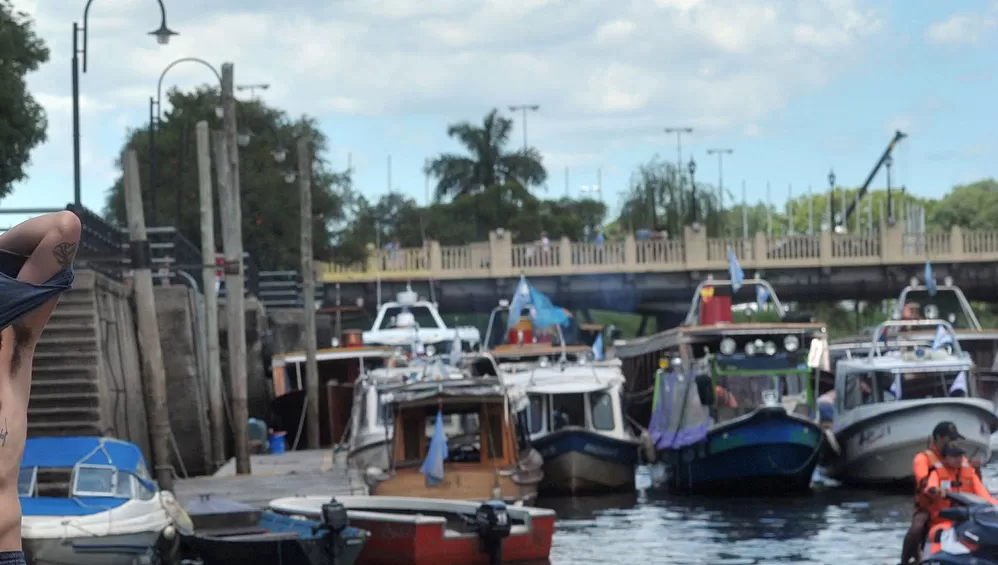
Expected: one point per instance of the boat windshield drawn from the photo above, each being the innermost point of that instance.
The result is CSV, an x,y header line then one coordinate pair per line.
x,y
944,305
891,386
422,314
737,395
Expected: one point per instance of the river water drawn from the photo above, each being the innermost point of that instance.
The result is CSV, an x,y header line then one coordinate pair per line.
x,y
829,526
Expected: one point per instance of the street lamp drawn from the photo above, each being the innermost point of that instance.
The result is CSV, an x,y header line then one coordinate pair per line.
x,y
692,167
162,34
523,108
832,220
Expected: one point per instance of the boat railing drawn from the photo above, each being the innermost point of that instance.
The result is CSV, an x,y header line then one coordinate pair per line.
x,y
692,315
968,311
876,346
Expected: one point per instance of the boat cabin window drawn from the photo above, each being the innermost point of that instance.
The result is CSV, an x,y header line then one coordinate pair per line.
x,y
474,432
536,413
27,479
484,367
737,395
945,305
94,480
522,433
601,405
423,316
568,410
889,386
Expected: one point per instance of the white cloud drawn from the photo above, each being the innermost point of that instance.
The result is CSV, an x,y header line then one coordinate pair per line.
x,y
960,29
613,68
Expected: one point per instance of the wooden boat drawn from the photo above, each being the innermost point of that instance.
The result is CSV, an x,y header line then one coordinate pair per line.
x,y
490,458
339,367
230,532
421,531
733,405
576,419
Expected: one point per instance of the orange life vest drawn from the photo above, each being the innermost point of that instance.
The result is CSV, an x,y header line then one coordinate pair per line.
x,y
922,500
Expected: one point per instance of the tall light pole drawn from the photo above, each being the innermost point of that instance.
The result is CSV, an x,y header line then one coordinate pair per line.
x,y
679,148
693,194
162,35
832,223
720,152
523,108
252,88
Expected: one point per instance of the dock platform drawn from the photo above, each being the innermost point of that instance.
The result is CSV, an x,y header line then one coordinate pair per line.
x,y
307,472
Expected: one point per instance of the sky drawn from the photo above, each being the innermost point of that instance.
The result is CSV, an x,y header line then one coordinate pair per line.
x,y
793,88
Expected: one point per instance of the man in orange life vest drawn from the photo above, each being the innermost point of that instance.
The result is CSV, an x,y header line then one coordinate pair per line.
x,y
926,463
955,475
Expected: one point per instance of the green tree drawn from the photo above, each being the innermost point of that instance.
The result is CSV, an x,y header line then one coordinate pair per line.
x,y
270,205
23,124
489,163
660,199
972,206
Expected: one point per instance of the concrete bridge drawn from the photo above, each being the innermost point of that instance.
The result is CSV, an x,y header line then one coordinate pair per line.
x,y
632,275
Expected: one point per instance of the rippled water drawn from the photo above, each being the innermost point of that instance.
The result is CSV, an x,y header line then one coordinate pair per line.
x,y
829,526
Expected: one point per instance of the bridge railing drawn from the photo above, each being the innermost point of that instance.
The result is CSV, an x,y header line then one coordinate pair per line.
x,y
693,251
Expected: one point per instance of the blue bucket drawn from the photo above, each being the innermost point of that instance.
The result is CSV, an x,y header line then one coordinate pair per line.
x,y
276,441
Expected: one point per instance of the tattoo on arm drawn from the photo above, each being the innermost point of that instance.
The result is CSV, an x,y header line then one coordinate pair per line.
x,y
3,434
64,253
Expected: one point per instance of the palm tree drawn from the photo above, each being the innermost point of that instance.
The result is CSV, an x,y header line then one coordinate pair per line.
x,y
489,163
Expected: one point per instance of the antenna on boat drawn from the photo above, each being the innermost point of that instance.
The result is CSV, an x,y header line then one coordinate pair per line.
x,y
377,268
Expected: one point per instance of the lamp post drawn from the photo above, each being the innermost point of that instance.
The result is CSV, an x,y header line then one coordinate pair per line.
x,y
692,167
162,35
523,108
243,138
720,152
832,221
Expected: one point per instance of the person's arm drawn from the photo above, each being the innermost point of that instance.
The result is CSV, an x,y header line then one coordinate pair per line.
x,y
932,486
979,489
49,242
921,467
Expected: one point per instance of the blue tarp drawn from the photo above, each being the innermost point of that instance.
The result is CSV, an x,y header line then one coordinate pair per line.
x,y
66,452
46,506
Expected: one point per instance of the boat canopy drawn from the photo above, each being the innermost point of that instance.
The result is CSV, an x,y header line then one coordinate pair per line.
x,y
68,452
678,418
426,392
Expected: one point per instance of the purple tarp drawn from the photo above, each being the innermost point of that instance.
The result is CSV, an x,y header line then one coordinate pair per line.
x,y
668,431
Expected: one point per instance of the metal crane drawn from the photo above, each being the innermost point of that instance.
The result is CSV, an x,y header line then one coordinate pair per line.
x,y
843,220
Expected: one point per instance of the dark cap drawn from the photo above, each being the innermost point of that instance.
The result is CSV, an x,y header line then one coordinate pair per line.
x,y
953,451
946,429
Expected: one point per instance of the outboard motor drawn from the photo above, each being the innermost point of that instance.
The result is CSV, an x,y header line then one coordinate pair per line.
x,y
493,525
973,538
335,519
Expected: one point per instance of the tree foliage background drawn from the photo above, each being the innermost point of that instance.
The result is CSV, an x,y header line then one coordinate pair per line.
x,y
22,119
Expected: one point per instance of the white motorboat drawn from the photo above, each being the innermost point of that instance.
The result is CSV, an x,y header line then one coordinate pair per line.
x,y
576,421
411,320
90,500
888,402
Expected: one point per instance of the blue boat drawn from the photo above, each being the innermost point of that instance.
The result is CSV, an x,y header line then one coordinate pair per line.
x,y
91,501
740,418
575,418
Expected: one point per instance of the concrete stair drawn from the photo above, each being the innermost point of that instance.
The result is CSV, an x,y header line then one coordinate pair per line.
x,y
65,389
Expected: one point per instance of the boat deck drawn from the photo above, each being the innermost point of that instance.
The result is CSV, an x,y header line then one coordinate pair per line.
x,y
307,472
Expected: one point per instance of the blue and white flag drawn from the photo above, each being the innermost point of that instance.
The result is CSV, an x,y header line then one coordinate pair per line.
x,y
433,466
735,270
930,281
544,313
761,296
943,337
896,387
598,348
960,383
521,299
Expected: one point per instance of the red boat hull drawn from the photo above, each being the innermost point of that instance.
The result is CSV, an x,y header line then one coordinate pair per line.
x,y
393,543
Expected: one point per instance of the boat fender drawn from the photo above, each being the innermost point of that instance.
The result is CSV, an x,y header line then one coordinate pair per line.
x,y
648,447
169,533
334,516
493,525
832,442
